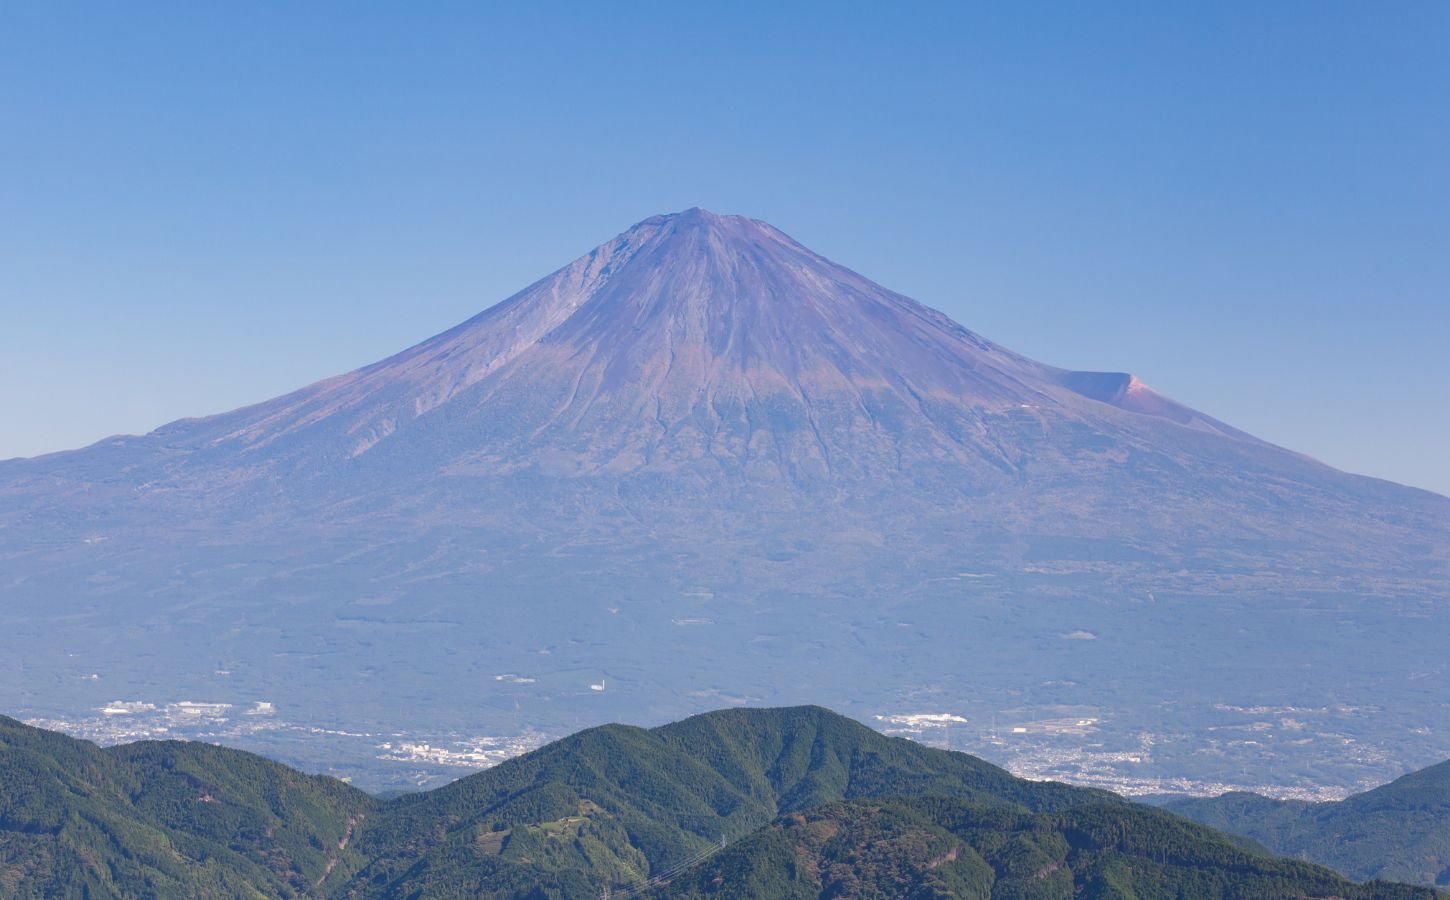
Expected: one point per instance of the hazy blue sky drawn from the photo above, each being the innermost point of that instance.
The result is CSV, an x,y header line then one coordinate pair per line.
x,y
204,205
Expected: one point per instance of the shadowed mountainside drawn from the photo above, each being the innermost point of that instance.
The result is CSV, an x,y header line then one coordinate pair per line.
x,y
942,848
1400,831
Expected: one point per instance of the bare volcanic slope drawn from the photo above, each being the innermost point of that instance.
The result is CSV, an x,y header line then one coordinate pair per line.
x,y
700,422
717,353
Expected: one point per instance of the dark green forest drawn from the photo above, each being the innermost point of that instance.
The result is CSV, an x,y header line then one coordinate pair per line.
x,y
795,802
1399,831
948,847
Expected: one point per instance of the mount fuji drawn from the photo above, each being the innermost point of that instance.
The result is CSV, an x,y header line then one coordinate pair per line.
x,y
703,464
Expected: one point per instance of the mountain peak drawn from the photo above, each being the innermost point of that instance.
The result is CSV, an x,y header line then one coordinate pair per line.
x,y
696,229
697,216
679,337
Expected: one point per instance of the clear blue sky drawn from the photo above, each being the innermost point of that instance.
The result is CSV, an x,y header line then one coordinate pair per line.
x,y
1247,204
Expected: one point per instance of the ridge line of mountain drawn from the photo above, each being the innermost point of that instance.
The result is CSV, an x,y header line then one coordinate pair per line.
x,y
608,807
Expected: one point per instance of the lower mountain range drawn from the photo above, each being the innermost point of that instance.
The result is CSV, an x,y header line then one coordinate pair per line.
x,y
742,803
1399,831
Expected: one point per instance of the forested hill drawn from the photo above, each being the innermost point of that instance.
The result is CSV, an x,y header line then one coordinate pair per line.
x,y
616,807
948,847
619,804
164,819
1400,830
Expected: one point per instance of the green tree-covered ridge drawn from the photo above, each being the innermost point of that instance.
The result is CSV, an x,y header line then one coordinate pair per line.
x,y
604,808
165,819
946,847
1399,831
